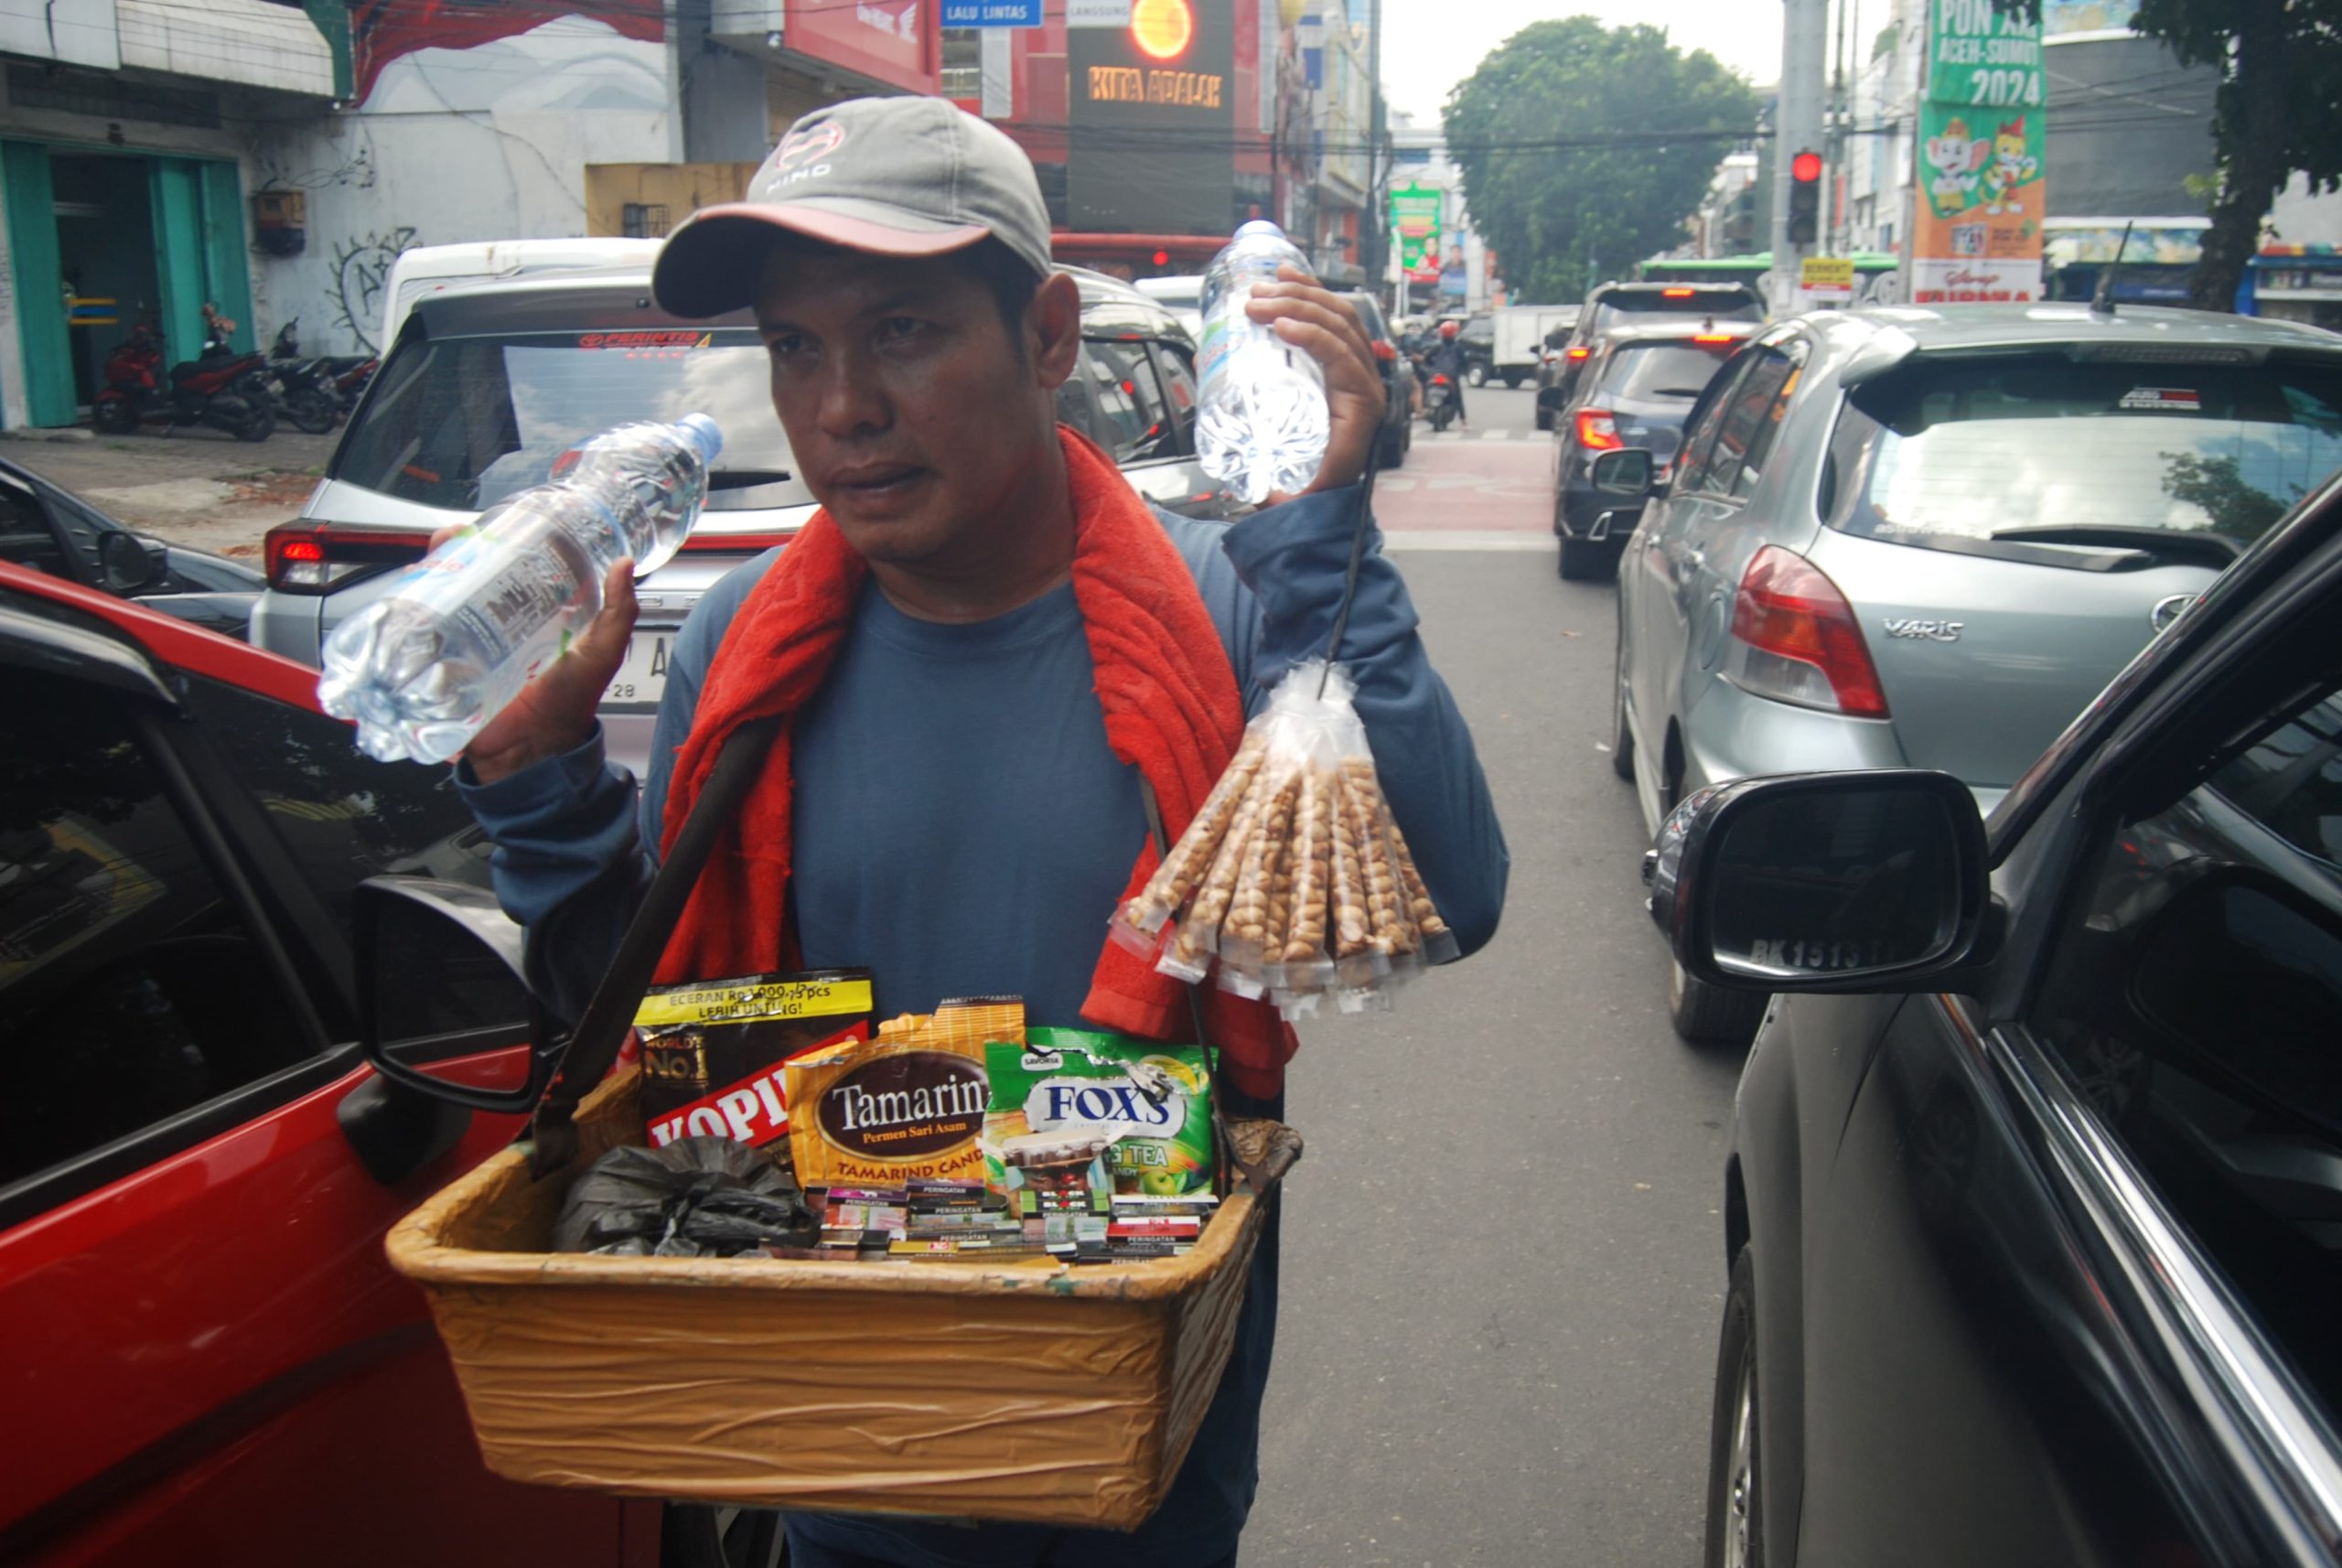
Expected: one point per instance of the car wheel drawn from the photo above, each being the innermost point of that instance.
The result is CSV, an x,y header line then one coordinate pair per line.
x,y
1393,452
691,1535
1735,1505
1512,383
1706,1014
1544,419
1586,559
114,416
1622,737
258,424
1476,375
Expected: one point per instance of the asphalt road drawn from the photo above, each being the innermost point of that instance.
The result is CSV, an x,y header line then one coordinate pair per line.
x,y
1503,1260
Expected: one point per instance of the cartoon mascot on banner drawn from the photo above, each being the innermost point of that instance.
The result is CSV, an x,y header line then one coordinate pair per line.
x,y
2010,169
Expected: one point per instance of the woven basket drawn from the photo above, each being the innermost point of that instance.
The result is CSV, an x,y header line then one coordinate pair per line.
x,y
1019,1390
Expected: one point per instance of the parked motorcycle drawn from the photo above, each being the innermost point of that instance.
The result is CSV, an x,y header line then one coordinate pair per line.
x,y
341,377
305,388
221,388
1439,402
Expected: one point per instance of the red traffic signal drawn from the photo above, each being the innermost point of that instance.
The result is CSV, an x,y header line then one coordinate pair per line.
x,y
1806,167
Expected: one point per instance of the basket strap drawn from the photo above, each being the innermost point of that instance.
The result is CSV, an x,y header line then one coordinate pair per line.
x,y
1224,1150
594,1044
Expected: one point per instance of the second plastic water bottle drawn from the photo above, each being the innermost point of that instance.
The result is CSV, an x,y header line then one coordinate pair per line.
x,y
421,669
1260,423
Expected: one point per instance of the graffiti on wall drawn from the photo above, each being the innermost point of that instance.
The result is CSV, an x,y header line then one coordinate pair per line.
x,y
383,30
361,267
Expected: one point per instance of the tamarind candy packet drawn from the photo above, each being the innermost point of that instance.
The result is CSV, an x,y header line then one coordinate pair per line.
x,y
908,1103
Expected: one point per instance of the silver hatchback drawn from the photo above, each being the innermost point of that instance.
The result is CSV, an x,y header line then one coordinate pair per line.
x,y
1929,538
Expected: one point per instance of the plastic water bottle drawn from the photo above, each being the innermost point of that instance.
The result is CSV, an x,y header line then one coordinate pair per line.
x,y
1260,423
422,668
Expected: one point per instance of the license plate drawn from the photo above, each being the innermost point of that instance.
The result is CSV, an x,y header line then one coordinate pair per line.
x,y
643,675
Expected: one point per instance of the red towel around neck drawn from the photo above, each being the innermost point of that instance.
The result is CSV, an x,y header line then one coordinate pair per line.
x,y
1172,710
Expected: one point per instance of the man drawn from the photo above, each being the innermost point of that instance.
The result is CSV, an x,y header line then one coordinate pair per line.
x,y
1447,358
985,642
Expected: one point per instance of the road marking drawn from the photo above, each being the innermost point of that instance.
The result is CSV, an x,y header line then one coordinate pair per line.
x,y
1497,435
1475,539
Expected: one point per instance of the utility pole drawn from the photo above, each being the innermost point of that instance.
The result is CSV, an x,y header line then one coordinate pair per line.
x,y
1796,128
1376,229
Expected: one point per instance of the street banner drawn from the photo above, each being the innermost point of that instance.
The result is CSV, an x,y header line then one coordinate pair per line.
x,y
1097,13
1976,235
1414,218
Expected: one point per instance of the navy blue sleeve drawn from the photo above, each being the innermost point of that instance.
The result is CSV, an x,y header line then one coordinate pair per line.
x,y
1294,558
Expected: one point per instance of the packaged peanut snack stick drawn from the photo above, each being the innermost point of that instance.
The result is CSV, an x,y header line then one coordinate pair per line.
x,y
1294,881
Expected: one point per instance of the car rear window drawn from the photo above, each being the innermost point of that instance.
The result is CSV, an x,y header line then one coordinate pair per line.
x,y
462,423
2004,449
1663,370
1651,305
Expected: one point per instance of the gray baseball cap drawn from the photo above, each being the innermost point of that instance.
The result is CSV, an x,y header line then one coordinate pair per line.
x,y
896,177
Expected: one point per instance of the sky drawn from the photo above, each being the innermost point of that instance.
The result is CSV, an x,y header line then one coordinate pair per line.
x,y
1429,45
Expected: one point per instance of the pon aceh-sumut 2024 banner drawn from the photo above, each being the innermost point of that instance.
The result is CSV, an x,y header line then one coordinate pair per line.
x,y
1977,234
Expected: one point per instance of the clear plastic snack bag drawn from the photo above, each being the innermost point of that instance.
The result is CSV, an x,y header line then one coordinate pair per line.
x,y
1294,881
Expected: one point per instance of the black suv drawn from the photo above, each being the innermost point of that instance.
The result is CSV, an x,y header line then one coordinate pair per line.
x,y
1636,305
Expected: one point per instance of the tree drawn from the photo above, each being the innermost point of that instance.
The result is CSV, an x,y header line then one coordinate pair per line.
x,y
1584,147
2278,112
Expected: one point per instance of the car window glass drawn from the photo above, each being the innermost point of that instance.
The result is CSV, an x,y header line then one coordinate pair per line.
x,y
1179,383
131,990
79,527
462,423
341,815
1659,370
1135,418
1073,404
1751,418
2196,1000
1966,447
26,539
1700,439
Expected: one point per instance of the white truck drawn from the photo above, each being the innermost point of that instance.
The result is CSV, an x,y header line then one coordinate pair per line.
x,y
1520,343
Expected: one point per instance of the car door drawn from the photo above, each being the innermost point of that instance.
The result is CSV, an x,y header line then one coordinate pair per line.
x,y
214,1356
2069,1281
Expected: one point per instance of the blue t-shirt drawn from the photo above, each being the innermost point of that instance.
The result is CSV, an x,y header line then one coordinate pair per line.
x,y
960,826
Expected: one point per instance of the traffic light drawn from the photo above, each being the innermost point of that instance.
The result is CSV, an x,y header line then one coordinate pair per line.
x,y
1805,198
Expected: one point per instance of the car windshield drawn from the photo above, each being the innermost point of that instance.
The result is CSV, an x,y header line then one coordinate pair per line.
x,y
1662,369
1998,448
1661,305
462,423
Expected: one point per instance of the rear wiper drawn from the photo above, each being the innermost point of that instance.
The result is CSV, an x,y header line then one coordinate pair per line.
x,y
2216,550
1678,391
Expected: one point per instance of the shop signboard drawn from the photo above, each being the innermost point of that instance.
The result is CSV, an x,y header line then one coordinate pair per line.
x,y
1097,13
1151,107
882,39
1981,198
1826,280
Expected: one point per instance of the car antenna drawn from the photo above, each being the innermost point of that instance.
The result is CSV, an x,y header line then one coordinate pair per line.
x,y
2101,301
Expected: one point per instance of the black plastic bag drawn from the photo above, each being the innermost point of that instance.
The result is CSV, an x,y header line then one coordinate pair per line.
x,y
707,1197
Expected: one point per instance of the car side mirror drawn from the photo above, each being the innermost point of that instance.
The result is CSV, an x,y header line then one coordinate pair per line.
x,y
444,1003
131,563
1627,472
1556,340
1855,881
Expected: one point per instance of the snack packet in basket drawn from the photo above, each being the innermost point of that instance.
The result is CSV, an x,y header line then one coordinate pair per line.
x,y
907,1104
712,1049
1294,881
1146,1106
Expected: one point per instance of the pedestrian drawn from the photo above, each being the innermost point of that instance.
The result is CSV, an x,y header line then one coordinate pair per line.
x,y
985,640
1447,358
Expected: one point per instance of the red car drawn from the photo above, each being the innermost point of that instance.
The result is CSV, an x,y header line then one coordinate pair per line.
x,y
209,1359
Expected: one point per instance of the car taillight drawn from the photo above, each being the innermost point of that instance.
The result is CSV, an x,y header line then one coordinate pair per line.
x,y
1794,639
1579,353
1675,294
317,557
1596,431
1715,338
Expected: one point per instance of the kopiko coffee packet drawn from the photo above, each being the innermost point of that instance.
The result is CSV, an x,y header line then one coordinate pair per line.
x,y
712,1049
1065,1094
908,1103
